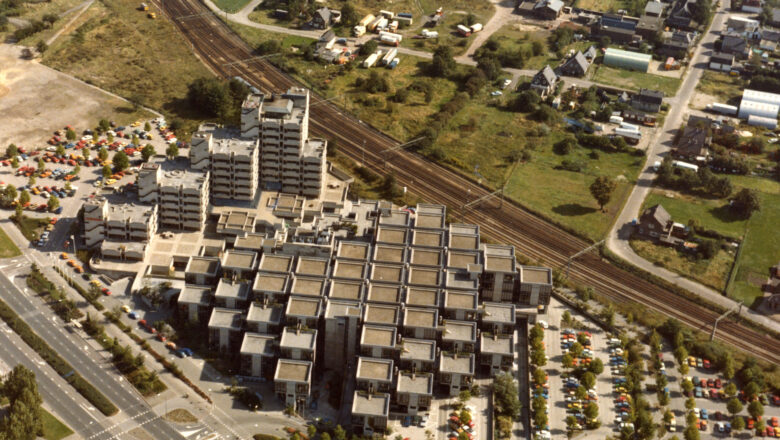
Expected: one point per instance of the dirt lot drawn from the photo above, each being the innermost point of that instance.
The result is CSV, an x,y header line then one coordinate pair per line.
x,y
36,100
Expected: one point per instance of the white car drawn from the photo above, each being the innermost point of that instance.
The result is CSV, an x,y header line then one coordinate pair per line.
x,y
544,324
697,411
505,83
496,93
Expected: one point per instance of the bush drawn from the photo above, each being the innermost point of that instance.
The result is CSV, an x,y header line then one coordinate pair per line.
x,y
526,101
564,146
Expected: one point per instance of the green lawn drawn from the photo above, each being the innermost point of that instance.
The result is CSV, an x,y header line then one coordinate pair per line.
x,y
7,247
632,80
231,6
722,86
512,38
31,227
713,273
761,250
711,214
53,429
483,135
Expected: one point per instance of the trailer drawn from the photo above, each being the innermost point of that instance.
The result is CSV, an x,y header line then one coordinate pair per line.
x,y
398,37
463,30
476,27
627,126
366,20
394,63
387,14
358,30
685,165
723,109
630,136
407,21
429,34
371,60
615,120
388,40
389,56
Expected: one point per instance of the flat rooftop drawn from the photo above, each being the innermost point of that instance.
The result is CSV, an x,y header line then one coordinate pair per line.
x,y
428,238
389,254
461,259
312,266
229,146
498,313
460,280
392,235
395,218
128,212
535,275
496,344
306,307
384,293
426,257
378,335
460,331
270,282
351,290
418,349
425,318
271,314
276,263
456,363
250,241
374,369
381,314
423,276
386,273
307,286
300,339
293,371
353,250
459,241
460,300
200,295
499,264
429,220
259,344
376,405
336,308
235,220
422,297
230,289
226,318
419,383
349,269
203,266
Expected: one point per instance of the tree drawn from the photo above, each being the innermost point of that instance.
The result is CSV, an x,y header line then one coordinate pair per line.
x,y
147,126
751,390
31,180
53,203
339,433
601,190
368,47
464,396
737,424
730,389
465,416
546,114
70,134
490,66
103,154
567,361
60,150
443,63
683,369
76,171
14,162
41,165
211,97
24,197
324,436
681,354
687,386
107,171
755,409
734,406
172,151
691,433
85,153
591,410
349,16
10,192
11,151
566,318
507,402
690,403
539,377
760,426
581,393
596,366
312,430
526,101
589,380
746,202
540,418
538,358
565,146
576,349
728,366
121,161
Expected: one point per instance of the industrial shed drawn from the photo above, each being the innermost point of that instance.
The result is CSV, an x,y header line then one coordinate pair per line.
x,y
758,121
762,97
753,108
627,60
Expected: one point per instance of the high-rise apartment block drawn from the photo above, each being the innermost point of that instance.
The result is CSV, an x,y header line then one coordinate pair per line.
x,y
233,163
118,222
181,194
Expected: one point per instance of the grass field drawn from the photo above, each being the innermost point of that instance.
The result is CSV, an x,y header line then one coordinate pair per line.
x,y
711,214
231,6
600,5
761,250
713,273
448,34
35,11
722,86
7,247
31,227
513,38
632,80
116,47
483,135
53,429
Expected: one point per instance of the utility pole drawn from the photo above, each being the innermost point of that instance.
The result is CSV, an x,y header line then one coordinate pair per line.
x,y
363,161
571,259
468,205
399,147
717,320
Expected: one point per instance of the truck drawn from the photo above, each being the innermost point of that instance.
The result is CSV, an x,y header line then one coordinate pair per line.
x,y
685,165
429,34
393,27
371,27
463,30
395,36
387,14
388,57
615,120
394,63
358,30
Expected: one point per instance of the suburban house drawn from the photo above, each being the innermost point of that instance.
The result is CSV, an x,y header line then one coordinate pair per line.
x,y
619,28
695,140
324,17
577,65
327,39
753,6
544,82
548,9
649,26
722,61
591,54
735,44
674,48
648,100
746,27
656,223
681,16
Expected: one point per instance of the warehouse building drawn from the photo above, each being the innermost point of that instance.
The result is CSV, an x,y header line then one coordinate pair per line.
x,y
761,109
627,60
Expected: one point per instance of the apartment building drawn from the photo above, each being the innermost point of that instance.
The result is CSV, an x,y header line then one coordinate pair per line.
x,y
127,222
292,382
195,303
232,294
536,285
298,344
291,162
378,341
203,271
239,265
500,273
370,412
225,330
413,393
459,336
417,355
181,193
264,318
456,372
374,375
496,353
258,355
233,163
342,324
498,318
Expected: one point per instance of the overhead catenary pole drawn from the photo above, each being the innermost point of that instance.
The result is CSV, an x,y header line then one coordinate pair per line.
x,y
399,147
587,249
717,320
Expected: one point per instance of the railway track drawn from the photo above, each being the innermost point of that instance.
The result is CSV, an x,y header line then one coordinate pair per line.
x,y
227,55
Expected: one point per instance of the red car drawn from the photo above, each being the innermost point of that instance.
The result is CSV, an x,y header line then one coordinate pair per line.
x,y
106,291
705,363
710,383
161,337
718,383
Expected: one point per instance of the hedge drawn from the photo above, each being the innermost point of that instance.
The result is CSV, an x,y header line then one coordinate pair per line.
x,y
59,364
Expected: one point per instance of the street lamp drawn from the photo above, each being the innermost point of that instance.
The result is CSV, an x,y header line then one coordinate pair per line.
x,y
73,240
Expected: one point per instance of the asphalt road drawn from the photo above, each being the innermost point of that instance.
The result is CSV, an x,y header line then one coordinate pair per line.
x,y
75,411
85,361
